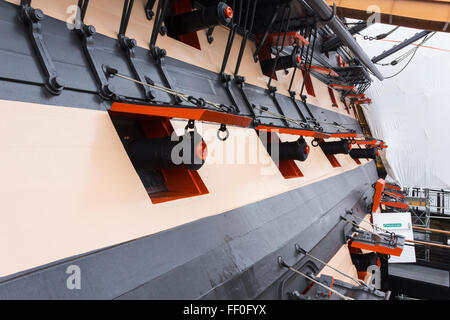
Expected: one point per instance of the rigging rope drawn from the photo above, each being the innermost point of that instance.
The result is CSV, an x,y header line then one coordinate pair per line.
x,y
320,284
197,101
360,282
406,54
384,236
380,36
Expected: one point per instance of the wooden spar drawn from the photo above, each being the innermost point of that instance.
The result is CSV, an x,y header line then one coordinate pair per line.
x,y
432,230
429,244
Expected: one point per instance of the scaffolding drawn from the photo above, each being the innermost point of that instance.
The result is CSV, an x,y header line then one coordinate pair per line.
x,y
426,204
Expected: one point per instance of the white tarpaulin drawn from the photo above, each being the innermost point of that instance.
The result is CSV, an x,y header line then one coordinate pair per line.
x,y
398,223
411,111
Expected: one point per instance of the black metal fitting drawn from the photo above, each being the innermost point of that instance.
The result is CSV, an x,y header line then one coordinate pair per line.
x,y
225,77
89,30
239,79
128,45
272,89
86,33
109,71
281,263
36,15
223,128
158,53
33,17
149,9
299,250
190,126
209,36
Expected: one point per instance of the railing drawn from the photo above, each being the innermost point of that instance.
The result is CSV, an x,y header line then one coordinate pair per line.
x,y
432,256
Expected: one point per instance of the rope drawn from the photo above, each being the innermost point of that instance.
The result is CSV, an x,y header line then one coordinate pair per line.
x,y
380,36
375,234
320,284
369,231
413,51
337,270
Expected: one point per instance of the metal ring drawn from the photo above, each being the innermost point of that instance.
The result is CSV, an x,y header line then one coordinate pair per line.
x,y
223,129
315,142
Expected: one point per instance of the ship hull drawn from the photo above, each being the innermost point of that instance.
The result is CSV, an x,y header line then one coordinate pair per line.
x,y
71,196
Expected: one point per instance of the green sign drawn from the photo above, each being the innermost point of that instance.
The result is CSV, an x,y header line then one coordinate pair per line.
x,y
392,225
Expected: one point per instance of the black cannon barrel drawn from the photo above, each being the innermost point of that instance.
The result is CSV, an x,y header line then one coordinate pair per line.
x,y
295,150
336,147
196,20
370,153
187,151
283,63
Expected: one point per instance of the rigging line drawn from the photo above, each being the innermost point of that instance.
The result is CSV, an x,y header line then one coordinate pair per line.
x,y
171,91
308,29
407,53
409,61
380,36
320,284
373,225
384,236
286,15
371,232
337,270
413,44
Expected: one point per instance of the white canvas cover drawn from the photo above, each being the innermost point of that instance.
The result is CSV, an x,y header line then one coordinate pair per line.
x,y
411,111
